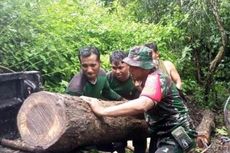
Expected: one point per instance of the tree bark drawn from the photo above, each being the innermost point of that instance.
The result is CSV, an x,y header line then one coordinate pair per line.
x,y
224,41
198,67
58,122
19,145
205,128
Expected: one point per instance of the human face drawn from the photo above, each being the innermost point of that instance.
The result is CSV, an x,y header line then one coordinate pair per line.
x,y
138,74
120,70
90,66
155,55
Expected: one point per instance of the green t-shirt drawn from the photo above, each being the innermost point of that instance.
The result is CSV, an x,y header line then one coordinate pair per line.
x,y
79,85
124,88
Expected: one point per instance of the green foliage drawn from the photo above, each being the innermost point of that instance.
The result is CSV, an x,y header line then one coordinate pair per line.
x,y
220,92
191,87
45,36
222,131
201,41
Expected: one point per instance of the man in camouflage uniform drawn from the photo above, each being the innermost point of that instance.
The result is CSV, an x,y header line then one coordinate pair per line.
x,y
164,109
121,82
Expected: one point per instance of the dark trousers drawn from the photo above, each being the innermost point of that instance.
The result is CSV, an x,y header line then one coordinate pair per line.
x,y
140,145
109,147
164,144
120,146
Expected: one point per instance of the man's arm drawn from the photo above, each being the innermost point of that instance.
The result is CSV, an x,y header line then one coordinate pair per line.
x,y
171,69
132,107
150,96
108,93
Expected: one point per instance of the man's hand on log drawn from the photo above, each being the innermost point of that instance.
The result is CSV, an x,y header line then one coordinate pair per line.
x,y
89,99
94,105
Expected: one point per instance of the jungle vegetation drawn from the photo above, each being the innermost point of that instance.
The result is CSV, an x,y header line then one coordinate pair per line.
x,y
44,35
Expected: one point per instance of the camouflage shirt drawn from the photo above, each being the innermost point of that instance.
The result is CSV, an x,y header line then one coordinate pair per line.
x,y
169,111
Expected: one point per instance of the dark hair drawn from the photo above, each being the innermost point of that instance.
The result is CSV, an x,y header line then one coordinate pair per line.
x,y
117,56
87,51
152,46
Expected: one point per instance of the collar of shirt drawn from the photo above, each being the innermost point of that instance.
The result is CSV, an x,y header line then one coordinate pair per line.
x,y
93,82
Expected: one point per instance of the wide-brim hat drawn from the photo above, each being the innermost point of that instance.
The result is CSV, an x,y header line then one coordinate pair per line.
x,y
140,56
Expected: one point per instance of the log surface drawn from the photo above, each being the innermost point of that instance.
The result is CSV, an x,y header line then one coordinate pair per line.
x,y
58,122
205,128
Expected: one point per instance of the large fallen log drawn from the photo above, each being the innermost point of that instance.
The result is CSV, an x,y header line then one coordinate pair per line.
x,y
205,128
58,122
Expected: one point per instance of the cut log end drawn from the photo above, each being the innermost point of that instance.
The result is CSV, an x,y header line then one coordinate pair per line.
x,y
57,122
41,124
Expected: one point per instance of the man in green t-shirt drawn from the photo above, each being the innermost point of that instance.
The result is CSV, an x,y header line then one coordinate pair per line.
x,y
91,81
119,78
121,82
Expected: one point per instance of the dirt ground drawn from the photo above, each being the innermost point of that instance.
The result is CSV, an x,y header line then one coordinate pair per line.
x,y
217,144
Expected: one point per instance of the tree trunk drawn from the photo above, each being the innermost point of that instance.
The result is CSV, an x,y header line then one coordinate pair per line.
x,y
220,55
205,128
58,122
